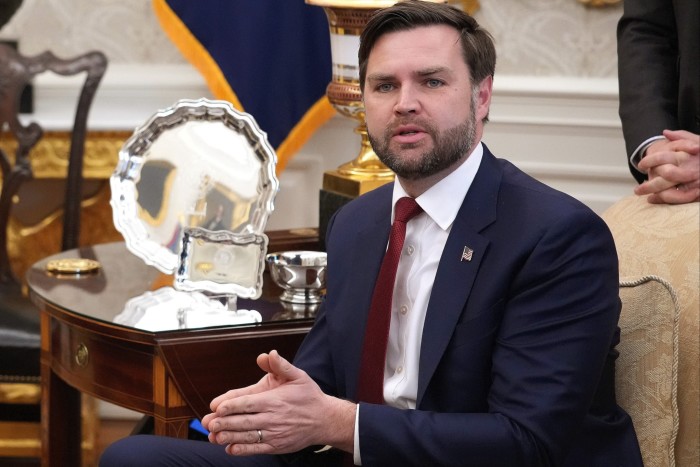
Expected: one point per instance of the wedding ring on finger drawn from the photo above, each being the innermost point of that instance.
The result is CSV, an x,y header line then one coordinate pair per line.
x,y
260,437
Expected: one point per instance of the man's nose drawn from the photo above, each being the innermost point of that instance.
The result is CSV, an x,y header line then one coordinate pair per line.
x,y
407,101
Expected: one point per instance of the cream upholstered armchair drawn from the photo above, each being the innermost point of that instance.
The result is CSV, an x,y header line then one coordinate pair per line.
x,y
658,373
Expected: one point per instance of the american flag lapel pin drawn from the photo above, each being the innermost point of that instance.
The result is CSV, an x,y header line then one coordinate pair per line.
x,y
467,254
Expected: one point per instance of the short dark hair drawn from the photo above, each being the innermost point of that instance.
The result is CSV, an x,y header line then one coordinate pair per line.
x,y
477,44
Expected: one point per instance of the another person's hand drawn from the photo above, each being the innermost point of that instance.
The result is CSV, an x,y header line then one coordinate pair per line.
x,y
673,166
284,412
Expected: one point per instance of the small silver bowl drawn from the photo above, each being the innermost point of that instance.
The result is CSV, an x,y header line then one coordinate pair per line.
x,y
301,274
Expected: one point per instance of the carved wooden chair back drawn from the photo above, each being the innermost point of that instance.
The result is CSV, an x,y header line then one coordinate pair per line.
x,y
16,72
19,320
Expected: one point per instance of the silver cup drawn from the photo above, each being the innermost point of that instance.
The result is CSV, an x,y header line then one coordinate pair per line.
x,y
301,274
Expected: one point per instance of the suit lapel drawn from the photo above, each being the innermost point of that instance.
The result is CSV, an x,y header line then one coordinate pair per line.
x,y
447,301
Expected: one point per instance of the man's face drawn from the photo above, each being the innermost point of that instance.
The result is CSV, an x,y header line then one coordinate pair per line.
x,y
421,115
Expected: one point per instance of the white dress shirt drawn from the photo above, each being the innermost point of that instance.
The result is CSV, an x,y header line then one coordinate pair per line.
x,y
426,235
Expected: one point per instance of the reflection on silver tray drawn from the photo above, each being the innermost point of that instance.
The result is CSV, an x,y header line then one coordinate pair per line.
x,y
222,262
167,309
199,163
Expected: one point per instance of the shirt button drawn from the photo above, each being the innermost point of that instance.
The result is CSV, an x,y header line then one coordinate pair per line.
x,y
399,369
410,250
403,309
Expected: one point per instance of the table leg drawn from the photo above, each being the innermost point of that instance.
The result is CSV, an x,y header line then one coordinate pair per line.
x,y
172,415
60,411
172,428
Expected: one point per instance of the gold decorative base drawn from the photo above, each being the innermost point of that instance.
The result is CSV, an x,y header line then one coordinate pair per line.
x,y
362,174
338,182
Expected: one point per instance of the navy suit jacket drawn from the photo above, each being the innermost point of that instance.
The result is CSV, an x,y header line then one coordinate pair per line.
x,y
517,355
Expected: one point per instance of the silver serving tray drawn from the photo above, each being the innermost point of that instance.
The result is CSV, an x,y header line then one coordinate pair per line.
x,y
198,164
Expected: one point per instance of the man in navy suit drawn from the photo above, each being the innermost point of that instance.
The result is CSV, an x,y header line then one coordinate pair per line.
x,y
503,314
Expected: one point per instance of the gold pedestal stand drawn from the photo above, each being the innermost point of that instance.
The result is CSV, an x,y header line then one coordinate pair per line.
x,y
365,173
347,20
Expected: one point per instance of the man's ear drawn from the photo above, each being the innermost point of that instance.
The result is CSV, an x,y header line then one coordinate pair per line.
x,y
483,100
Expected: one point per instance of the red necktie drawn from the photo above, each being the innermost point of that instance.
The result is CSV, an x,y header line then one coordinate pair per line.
x,y
371,384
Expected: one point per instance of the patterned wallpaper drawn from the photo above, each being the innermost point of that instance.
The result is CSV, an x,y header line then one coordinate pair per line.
x,y
127,31
533,37
552,37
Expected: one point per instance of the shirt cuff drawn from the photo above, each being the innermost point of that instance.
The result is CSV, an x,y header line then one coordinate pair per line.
x,y
356,452
640,152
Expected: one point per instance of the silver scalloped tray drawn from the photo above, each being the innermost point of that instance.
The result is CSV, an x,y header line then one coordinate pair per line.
x,y
198,164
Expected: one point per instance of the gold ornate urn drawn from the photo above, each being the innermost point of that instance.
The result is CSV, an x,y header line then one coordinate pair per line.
x,y
347,19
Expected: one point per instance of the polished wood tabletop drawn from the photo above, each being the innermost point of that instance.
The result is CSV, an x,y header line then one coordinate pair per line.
x,y
171,375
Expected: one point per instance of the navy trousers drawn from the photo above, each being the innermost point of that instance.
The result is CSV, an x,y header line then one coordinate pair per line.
x,y
160,451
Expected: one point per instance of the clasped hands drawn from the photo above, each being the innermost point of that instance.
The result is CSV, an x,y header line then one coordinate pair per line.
x,y
284,412
673,166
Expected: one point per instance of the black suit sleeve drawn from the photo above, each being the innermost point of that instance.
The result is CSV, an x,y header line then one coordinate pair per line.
x,y
647,48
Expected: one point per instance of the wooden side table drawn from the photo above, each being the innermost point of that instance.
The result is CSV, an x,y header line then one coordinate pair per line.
x,y
170,375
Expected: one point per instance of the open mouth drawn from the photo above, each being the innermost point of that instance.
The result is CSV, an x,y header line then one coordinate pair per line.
x,y
408,130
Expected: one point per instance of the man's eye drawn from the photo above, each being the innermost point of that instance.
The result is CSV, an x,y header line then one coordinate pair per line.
x,y
434,83
385,87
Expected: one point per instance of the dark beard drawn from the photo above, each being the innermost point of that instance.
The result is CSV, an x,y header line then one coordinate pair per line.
x,y
450,146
